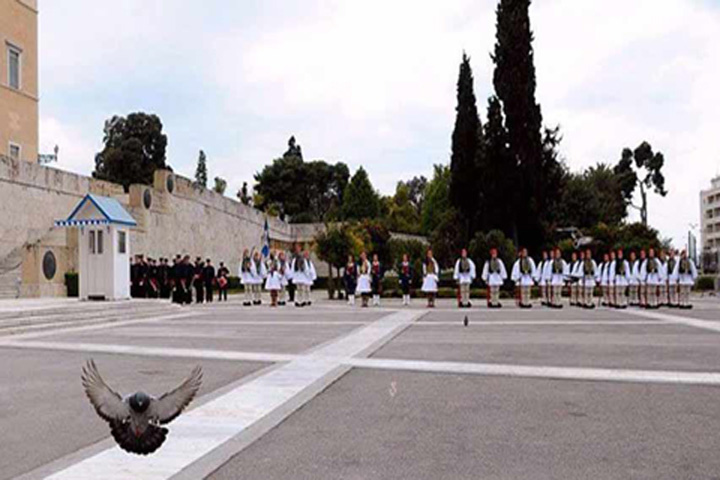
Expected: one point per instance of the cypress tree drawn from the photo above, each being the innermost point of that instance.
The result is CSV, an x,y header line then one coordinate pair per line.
x,y
498,175
514,81
465,143
201,177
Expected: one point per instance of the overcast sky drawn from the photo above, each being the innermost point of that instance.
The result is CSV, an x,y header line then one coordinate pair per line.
x,y
372,82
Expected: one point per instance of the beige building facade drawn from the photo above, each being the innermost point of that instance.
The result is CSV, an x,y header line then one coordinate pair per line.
x,y
19,79
710,217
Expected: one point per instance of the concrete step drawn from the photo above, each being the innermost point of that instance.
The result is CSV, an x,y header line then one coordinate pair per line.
x,y
47,322
72,307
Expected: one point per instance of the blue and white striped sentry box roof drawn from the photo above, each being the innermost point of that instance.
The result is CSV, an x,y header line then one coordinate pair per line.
x,y
102,211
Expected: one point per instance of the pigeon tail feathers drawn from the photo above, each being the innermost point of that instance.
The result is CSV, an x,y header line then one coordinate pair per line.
x,y
145,444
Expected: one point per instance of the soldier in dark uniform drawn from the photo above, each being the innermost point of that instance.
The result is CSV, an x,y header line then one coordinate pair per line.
x,y
376,276
209,278
222,281
153,286
405,274
350,280
134,265
142,277
188,273
164,278
199,281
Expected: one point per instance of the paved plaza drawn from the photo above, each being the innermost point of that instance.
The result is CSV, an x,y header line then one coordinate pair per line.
x,y
338,392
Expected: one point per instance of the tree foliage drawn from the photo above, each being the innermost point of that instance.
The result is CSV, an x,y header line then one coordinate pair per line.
x,y
201,173
437,199
591,197
515,84
134,147
466,140
641,168
302,191
360,200
479,249
402,215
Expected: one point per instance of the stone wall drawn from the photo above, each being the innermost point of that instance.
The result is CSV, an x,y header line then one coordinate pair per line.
x,y
173,217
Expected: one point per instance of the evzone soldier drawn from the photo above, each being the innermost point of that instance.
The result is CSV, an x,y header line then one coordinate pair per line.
x,y
431,272
604,280
542,277
651,273
494,275
350,279
685,274
303,277
199,281
364,279
559,272
285,276
671,281
590,274
620,277
633,280
662,288
222,281
273,281
574,278
642,286
523,273
464,275
258,273
376,277
209,278
405,278
246,277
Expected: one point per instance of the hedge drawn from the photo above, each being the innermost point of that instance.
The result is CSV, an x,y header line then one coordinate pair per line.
x,y
705,283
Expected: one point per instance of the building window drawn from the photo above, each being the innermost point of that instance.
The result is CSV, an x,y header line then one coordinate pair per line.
x,y
14,65
122,242
14,151
100,242
91,242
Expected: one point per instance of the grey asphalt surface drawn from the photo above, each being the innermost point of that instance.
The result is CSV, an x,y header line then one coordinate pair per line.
x,y
652,346
384,424
443,426
247,338
44,414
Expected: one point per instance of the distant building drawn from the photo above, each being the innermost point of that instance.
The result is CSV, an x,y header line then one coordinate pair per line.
x,y
19,79
710,224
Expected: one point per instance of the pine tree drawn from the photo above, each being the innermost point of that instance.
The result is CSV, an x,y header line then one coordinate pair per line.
x,y
466,139
515,83
360,200
201,175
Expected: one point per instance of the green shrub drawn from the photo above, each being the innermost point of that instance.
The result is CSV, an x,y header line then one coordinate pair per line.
x,y
705,283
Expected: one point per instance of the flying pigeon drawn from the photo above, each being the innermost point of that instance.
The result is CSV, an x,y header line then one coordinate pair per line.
x,y
135,420
466,321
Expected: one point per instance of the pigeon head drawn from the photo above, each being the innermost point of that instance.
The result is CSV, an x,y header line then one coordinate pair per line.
x,y
139,402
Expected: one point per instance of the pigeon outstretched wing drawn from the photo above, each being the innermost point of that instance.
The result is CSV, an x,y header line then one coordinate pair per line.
x,y
168,406
106,401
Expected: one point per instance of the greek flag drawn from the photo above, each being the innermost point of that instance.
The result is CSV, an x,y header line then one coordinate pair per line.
x,y
266,240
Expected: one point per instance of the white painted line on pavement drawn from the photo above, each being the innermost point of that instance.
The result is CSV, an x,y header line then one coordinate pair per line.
x,y
526,371
152,351
677,319
204,429
590,323
230,323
